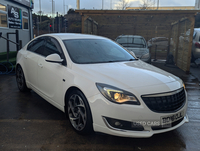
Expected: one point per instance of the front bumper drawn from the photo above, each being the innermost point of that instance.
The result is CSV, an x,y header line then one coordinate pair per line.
x,y
102,108
136,134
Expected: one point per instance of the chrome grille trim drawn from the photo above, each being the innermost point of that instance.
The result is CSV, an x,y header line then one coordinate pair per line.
x,y
163,94
165,103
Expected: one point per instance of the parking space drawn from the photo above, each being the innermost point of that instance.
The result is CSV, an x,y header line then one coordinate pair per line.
x,y
28,122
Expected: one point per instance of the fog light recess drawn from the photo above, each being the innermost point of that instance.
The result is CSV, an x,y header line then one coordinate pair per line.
x,y
117,124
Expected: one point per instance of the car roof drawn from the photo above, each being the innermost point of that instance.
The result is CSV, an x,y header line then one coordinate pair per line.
x,y
159,38
66,36
197,29
131,36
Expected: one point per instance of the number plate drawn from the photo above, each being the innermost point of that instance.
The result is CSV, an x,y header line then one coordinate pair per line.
x,y
168,120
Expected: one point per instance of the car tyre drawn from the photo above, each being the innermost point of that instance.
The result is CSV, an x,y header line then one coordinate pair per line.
x,y
79,113
20,78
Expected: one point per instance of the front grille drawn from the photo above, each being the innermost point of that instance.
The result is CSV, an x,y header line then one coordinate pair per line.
x,y
165,102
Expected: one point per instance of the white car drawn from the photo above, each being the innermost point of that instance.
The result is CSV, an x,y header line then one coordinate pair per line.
x,y
100,86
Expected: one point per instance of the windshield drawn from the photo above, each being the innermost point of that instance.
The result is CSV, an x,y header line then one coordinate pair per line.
x,y
85,51
131,42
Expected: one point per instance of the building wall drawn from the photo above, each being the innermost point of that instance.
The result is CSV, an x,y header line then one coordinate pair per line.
x,y
24,34
74,22
148,26
90,26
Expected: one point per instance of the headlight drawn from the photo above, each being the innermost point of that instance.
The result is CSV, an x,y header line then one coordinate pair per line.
x,y
145,56
117,95
183,84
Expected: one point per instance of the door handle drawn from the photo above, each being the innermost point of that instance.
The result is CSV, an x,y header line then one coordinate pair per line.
x,y
40,65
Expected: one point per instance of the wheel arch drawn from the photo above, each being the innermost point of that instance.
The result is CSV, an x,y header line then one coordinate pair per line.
x,y
69,90
24,71
17,65
26,88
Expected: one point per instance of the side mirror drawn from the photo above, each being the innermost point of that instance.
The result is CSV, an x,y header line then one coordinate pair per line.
x,y
54,58
150,45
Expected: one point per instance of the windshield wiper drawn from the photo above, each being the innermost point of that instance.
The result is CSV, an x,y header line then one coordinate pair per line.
x,y
133,59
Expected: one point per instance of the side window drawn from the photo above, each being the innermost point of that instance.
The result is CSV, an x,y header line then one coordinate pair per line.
x,y
37,46
3,16
25,20
31,45
52,46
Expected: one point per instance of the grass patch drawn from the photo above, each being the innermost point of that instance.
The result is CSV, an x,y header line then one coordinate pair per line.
x,y
3,55
7,66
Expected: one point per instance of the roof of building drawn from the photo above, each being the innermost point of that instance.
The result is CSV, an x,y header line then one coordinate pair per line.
x,y
164,8
141,12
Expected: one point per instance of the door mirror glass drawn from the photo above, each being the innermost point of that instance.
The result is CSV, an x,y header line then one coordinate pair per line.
x,y
55,58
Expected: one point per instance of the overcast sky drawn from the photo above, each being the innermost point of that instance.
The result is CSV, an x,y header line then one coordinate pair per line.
x,y
46,5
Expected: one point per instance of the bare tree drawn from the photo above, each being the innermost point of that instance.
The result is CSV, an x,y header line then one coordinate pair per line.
x,y
147,4
122,4
40,13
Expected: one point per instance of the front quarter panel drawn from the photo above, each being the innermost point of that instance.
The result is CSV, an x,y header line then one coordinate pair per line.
x,y
75,79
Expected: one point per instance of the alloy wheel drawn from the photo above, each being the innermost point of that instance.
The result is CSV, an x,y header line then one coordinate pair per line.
x,y
20,78
77,112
